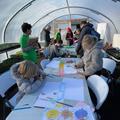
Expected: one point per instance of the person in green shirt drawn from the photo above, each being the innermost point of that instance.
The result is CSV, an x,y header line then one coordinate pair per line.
x,y
58,35
27,45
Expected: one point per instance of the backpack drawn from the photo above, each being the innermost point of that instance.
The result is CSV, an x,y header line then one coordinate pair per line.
x,y
95,33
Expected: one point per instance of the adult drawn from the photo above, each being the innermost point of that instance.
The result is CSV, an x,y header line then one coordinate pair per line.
x,y
69,36
85,29
28,45
47,36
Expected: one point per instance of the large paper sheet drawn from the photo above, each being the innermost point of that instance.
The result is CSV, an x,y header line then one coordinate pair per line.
x,y
74,89
68,67
53,64
70,113
50,90
69,88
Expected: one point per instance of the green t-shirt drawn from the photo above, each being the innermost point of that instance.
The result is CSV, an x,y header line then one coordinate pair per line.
x,y
58,36
31,54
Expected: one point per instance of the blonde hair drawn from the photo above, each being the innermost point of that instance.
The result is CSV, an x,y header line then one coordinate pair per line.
x,y
88,41
28,69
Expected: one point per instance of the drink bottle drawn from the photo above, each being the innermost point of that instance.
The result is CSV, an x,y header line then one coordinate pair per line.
x,y
61,68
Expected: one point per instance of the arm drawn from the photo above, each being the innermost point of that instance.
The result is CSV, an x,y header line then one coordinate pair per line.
x,y
83,32
96,63
27,87
24,43
35,85
27,48
80,64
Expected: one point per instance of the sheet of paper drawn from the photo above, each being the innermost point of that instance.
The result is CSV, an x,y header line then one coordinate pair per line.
x,y
44,103
70,113
74,89
50,90
68,69
53,64
69,88
83,112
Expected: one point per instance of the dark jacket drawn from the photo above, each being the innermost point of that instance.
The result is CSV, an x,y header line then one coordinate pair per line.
x,y
84,31
69,38
47,37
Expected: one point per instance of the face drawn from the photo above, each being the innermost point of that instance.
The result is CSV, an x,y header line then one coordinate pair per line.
x,y
59,30
29,32
77,32
49,28
81,26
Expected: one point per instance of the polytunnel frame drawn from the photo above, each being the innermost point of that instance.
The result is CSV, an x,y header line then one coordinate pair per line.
x,y
93,11
28,4
66,15
71,14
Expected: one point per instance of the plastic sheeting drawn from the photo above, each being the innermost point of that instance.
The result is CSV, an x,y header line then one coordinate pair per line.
x,y
40,12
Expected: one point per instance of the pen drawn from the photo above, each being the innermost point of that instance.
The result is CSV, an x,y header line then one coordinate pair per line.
x,y
64,104
39,107
60,102
22,108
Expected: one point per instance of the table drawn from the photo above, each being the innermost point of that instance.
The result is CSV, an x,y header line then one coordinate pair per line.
x,y
29,100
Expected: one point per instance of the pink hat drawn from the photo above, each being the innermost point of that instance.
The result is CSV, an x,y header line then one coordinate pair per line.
x,y
68,29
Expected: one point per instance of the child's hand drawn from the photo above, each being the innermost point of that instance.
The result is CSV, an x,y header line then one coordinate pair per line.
x,y
82,73
76,66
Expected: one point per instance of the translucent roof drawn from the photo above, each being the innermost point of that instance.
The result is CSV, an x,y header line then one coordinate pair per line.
x,y
40,12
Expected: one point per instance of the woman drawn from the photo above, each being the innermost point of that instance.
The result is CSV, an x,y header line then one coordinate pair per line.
x,y
92,60
28,77
69,36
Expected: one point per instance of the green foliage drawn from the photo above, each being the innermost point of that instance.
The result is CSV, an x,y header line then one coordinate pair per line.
x,y
6,64
7,46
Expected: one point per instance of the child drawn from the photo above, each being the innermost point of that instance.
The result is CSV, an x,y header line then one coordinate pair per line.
x,y
28,77
27,44
92,60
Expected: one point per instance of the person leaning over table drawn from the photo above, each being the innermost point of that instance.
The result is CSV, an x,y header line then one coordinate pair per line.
x,y
92,60
53,50
27,44
28,77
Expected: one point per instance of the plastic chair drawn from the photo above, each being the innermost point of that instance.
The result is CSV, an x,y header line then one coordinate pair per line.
x,y
44,62
8,89
109,65
100,89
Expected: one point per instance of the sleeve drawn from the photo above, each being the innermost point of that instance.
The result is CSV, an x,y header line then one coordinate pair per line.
x,y
83,32
80,64
24,44
28,87
56,51
56,35
96,63
24,41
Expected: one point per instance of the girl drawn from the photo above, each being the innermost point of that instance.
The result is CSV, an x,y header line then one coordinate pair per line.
x,y
28,77
92,60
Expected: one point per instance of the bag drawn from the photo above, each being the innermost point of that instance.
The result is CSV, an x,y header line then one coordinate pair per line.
x,y
95,33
